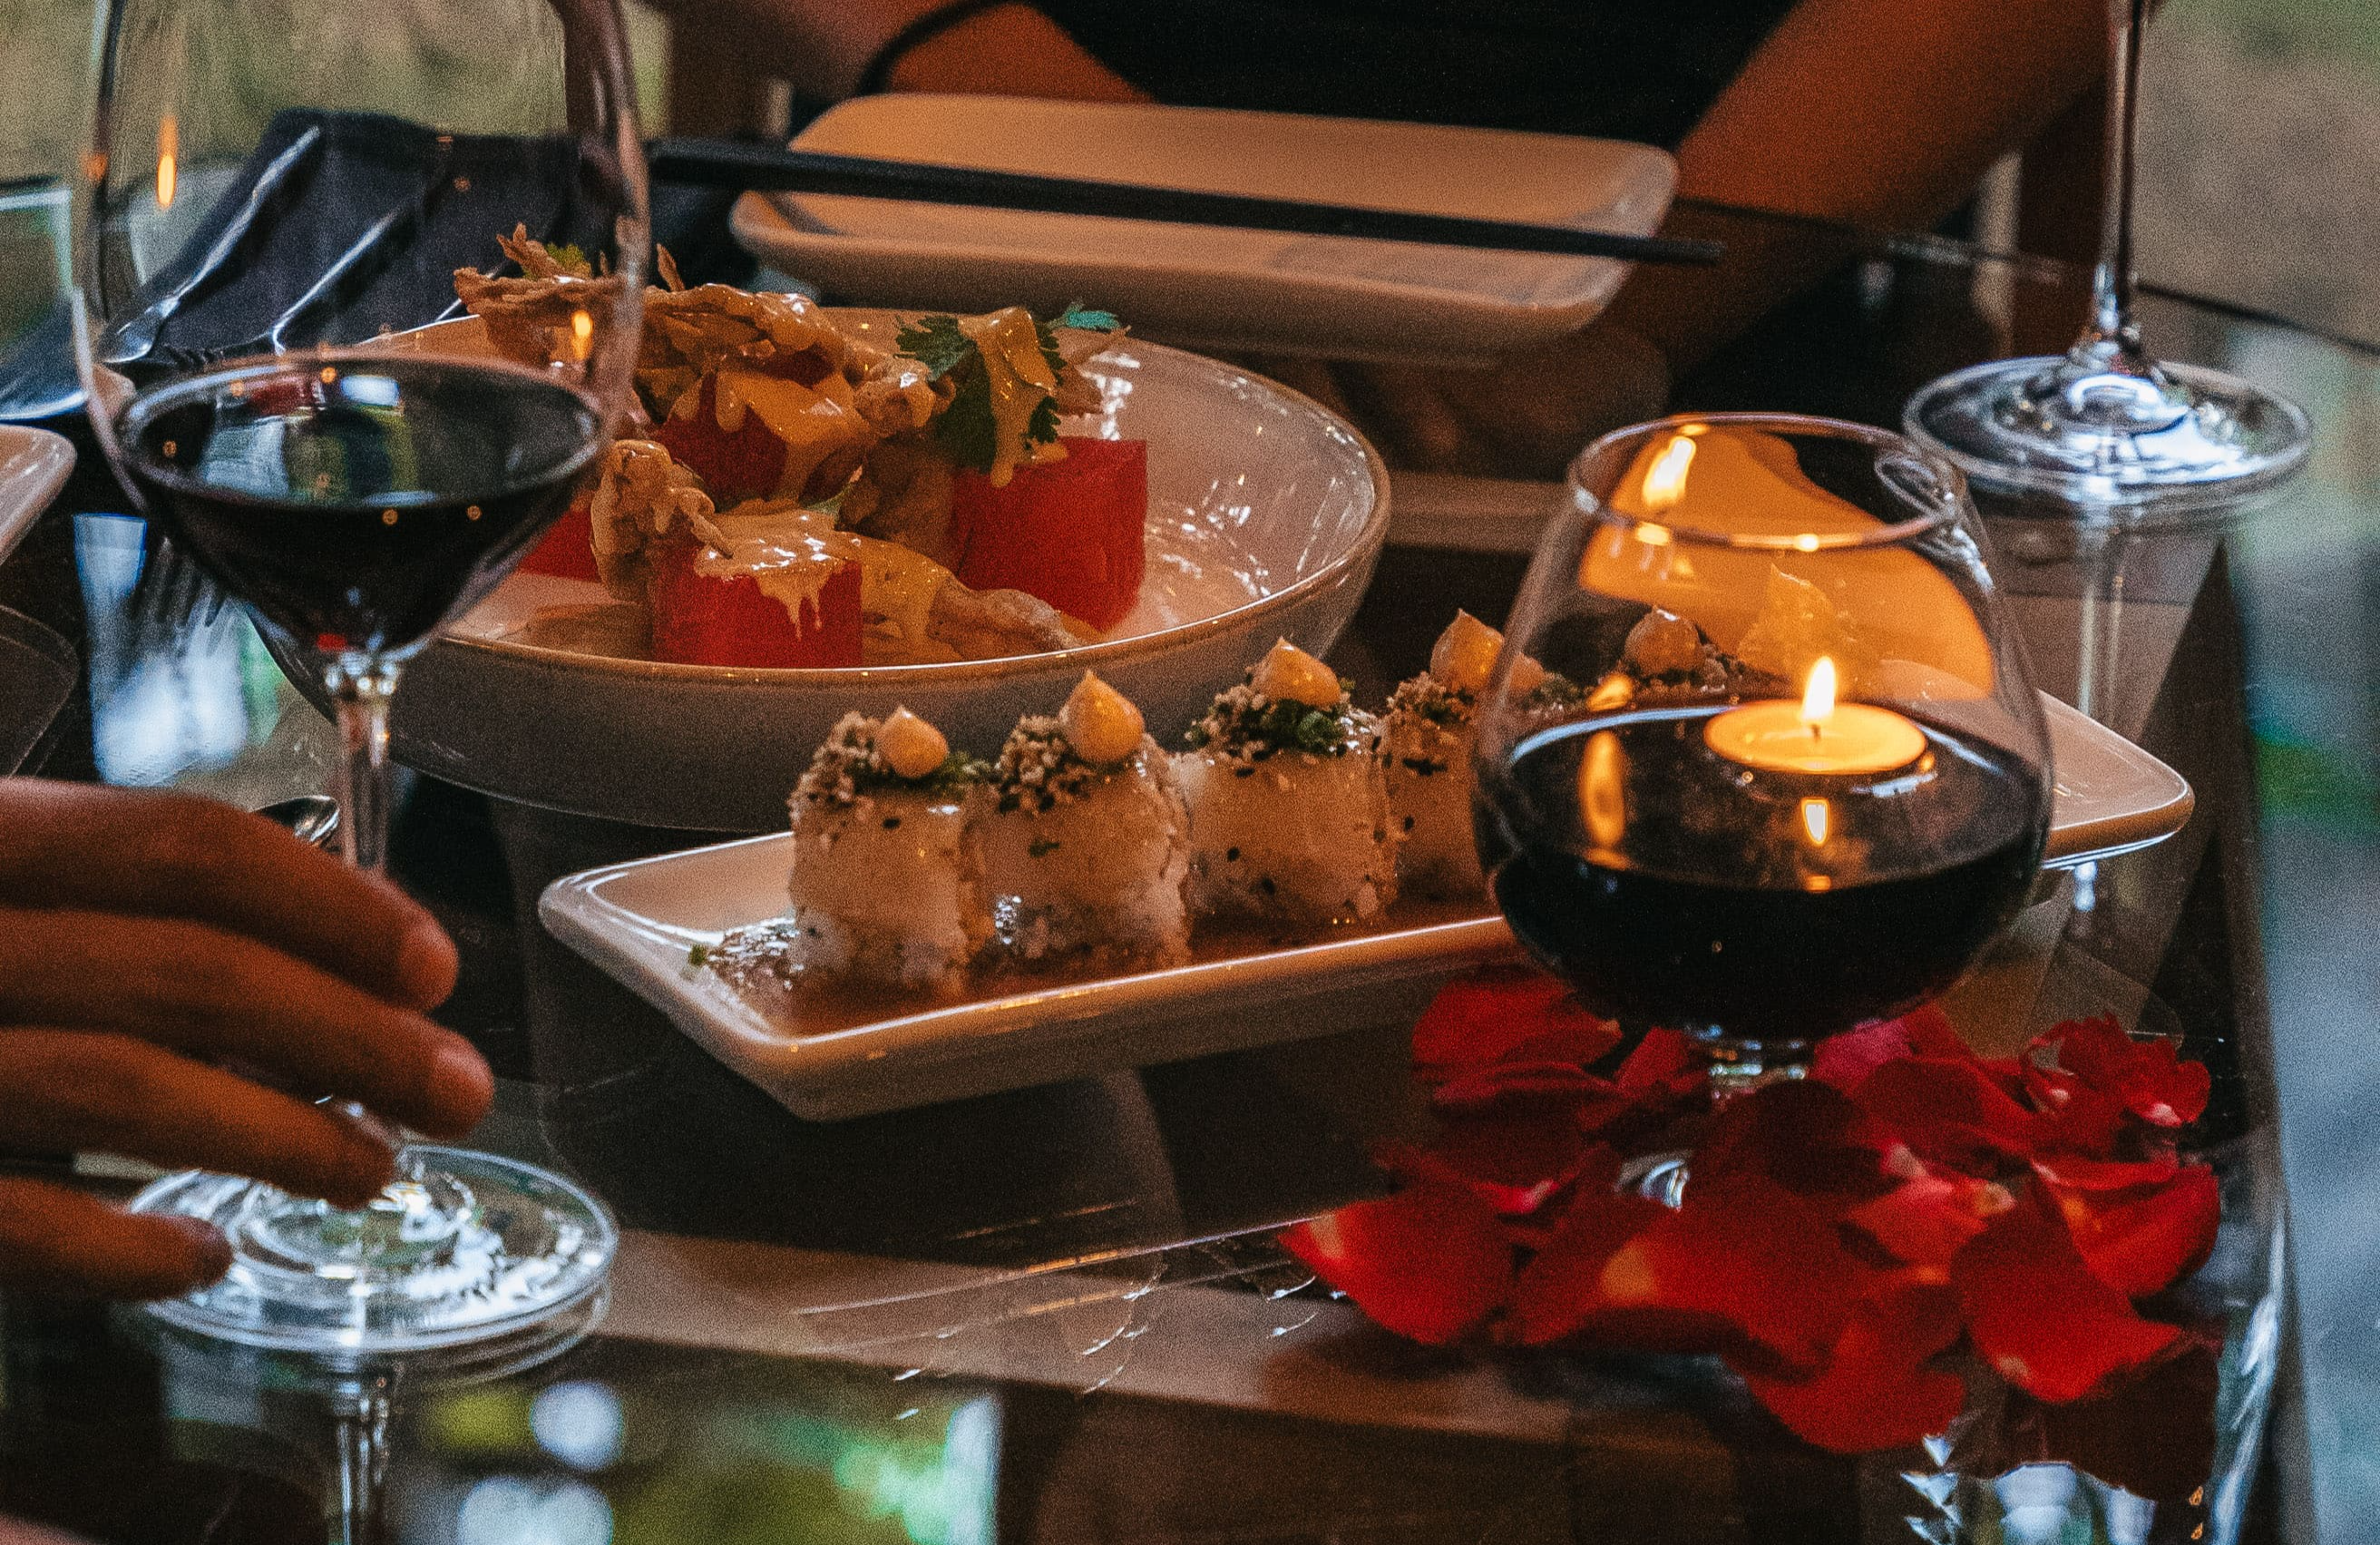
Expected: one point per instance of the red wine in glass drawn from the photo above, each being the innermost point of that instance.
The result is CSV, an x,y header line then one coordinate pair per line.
x,y
1714,912
356,505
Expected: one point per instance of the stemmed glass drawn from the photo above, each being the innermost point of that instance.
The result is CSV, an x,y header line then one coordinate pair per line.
x,y
273,200
2105,426
1790,773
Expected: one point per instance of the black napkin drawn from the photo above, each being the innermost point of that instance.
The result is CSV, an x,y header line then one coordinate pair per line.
x,y
341,225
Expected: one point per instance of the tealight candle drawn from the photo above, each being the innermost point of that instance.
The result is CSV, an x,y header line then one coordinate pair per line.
x,y
1817,735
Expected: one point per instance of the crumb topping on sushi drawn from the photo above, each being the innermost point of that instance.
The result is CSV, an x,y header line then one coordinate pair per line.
x,y
1038,768
1290,702
862,755
1245,726
1428,697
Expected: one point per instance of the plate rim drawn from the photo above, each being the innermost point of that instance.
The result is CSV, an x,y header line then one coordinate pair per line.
x,y
34,465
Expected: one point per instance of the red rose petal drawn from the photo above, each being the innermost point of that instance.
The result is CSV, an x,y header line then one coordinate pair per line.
x,y
1843,1062
1744,1264
1512,1160
1561,1289
1427,1263
2075,1117
1875,1391
1481,1018
1809,1138
2154,1436
1927,1218
1949,1112
2077,1172
2141,1241
1931,1034
2038,1316
2147,1076
1555,1086
1661,1057
1575,1044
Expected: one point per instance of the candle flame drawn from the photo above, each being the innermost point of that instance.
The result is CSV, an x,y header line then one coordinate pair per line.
x,y
1818,697
582,334
1813,821
1665,481
169,146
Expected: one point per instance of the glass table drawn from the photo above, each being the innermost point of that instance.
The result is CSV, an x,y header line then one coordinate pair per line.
x,y
1056,1314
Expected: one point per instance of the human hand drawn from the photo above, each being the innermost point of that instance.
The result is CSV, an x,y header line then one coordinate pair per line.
x,y
178,980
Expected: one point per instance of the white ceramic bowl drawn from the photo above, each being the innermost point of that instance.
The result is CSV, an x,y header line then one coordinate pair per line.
x,y
1245,476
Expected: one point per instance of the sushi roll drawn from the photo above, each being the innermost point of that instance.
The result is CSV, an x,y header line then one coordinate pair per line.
x,y
886,884
1084,839
1288,813
1429,729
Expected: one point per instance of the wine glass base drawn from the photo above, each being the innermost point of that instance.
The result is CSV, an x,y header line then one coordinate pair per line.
x,y
477,1249
2184,439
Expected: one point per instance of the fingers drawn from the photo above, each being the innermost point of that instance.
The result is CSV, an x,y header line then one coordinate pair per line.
x,y
218,996
54,1240
75,1091
173,856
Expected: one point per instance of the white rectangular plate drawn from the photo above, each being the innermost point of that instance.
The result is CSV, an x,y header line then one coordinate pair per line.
x,y
1208,287
639,921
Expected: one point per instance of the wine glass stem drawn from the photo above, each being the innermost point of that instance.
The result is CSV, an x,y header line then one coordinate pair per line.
x,y
361,1433
2113,336
361,685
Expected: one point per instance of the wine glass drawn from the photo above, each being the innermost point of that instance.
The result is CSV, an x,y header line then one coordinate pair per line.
x,y
2105,426
277,193
1790,773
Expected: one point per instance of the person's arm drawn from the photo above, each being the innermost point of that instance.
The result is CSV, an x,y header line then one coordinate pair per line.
x,y
822,46
178,980
1871,112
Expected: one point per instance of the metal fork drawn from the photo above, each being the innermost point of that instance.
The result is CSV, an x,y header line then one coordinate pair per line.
x,y
171,596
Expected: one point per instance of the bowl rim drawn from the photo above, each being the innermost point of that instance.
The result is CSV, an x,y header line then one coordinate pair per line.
x,y
1365,541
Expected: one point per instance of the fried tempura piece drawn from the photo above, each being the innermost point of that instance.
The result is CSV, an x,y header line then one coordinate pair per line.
x,y
986,625
903,494
690,333
641,494
535,319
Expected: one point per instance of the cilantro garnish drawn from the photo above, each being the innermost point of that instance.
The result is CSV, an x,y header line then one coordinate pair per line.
x,y
1076,314
956,771
1295,727
570,260
937,344
699,956
966,431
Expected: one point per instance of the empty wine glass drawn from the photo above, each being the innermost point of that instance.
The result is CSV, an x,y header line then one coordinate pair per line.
x,y
278,193
1788,772
2105,426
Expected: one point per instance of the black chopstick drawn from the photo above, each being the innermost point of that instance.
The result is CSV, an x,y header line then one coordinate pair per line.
x,y
727,163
